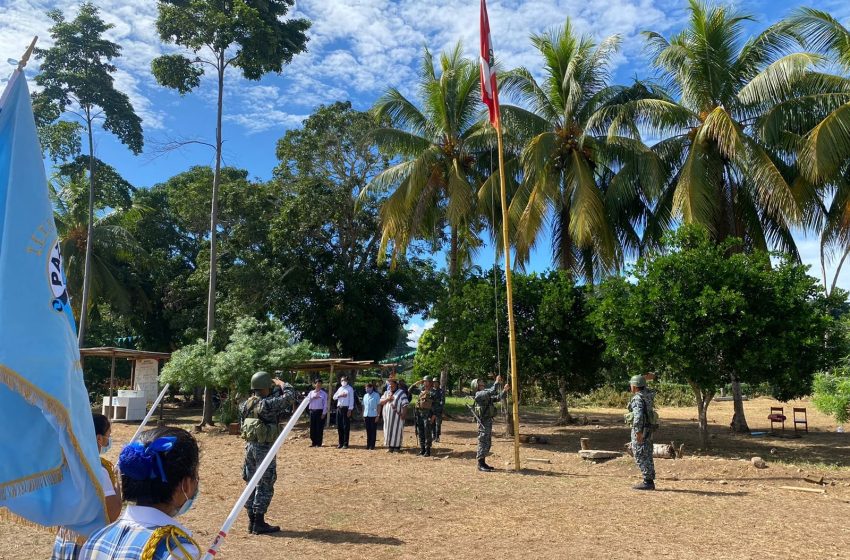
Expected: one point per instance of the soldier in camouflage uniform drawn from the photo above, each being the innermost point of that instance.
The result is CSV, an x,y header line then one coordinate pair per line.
x,y
259,416
640,419
426,409
485,411
437,426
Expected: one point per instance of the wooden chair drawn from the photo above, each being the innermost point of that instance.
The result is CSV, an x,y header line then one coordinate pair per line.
x,y
804,420
777,416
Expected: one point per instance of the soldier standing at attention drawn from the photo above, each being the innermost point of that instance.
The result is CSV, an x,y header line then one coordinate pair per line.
x,y
485,409
260,415
643,420
437,426
427,407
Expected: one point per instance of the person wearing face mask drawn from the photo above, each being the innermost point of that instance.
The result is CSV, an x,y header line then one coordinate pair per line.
x,y
370,414
344,398
159,475
67,546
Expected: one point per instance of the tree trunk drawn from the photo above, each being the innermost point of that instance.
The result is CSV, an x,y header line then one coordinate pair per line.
x,y
211,297
453,255
509,425
564,417
837,271
739,420
703,400
566,260
84,304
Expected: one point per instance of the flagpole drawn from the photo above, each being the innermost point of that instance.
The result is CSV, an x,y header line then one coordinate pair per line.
x,y
509,288
19,69
26,58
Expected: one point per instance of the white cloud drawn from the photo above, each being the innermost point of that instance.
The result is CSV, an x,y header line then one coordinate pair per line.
x,y
415,330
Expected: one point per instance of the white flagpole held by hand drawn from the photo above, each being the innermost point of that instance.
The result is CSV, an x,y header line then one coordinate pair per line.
x,y
240,503
150,412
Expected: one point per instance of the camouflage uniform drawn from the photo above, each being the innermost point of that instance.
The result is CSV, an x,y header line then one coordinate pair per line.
x,y
427,405
639,407
486,411
437,426
268,410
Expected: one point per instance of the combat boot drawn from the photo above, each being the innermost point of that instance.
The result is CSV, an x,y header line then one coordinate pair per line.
x,y
645,485
484,467
422,451
428,451
251,519
261,527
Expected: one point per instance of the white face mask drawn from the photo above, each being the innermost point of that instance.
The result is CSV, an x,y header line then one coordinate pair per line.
x,y
187,505
369,390
344,383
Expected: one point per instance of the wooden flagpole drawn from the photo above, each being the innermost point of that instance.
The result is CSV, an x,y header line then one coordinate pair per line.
x,y
509,288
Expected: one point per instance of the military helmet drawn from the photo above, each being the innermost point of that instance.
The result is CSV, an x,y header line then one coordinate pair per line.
x,y
638,381
427,378
261,380
474,384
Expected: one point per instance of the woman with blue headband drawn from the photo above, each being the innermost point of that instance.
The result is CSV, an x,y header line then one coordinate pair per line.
x,y
159,476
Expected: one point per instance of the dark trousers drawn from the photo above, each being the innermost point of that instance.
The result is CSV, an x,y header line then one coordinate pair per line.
x,y
371,431
343,424
317,427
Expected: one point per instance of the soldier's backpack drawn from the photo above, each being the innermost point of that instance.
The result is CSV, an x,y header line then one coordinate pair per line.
x,y
253,429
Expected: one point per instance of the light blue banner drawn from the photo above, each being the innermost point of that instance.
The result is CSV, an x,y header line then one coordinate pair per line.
x,y
48,452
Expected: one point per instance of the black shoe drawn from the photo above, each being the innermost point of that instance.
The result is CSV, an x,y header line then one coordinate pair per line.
x,y
428,452
263,528
484,467
339,446
345,446
437,439
421,451
250,522
645,485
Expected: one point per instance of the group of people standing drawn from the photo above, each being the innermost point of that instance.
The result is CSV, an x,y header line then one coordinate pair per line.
x,y
391,407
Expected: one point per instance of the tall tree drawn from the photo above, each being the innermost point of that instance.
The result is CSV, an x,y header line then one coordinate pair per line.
x,y
571,158
324,241
76,75
725,137
434,185
824,149
251,35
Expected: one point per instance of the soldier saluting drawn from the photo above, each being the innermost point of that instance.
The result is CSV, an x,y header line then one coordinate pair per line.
x,y
426,409
485,411
260,416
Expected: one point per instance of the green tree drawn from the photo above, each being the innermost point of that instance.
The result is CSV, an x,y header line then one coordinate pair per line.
x,y
76,76
324,241
705,314
189,366
250,35
113,246
831,393
824,141
571,158
726,139
434,186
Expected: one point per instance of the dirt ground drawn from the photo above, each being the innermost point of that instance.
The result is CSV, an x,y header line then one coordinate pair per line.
x,y
370,504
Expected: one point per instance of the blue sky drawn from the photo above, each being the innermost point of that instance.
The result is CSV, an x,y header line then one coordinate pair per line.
x,y
357,49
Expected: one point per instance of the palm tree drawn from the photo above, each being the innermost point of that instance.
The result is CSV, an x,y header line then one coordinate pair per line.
x,y
825,145
725,138
434,185
113,245
573,155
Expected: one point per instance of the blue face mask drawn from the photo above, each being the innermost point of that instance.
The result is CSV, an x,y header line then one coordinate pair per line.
x,y
108,445
187,505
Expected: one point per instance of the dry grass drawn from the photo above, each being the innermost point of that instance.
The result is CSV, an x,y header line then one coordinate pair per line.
x,y
709,505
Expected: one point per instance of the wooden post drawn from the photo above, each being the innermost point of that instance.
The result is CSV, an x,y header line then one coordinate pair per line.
x,y
111,386
585,443
506,243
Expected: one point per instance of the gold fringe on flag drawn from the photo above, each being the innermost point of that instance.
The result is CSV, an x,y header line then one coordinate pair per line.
x,y
38,398
31,483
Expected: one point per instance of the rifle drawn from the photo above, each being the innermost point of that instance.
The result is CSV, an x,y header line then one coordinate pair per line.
x,y
471,408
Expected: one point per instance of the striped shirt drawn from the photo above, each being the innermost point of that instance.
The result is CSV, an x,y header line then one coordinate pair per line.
x,y
126,538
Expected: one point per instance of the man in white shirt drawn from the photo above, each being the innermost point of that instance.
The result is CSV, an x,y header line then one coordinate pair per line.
x,y
344,398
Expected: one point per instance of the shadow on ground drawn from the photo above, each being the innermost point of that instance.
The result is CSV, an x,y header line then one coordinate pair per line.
x,y
338,537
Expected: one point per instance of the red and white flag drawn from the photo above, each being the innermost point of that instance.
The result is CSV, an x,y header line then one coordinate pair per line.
x,y
489,88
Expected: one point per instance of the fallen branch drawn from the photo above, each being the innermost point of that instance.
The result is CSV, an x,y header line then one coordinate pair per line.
x,y
801,489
